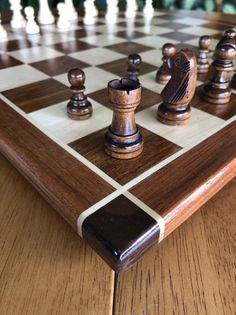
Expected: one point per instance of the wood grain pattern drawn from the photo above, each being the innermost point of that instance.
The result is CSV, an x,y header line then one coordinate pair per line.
x,y
128,48
39,95
119,67
44,267
224,111
190,272
114,224
179,36
155,150
129,35
177,196
59,65
16,44
70,187
8,61
71,46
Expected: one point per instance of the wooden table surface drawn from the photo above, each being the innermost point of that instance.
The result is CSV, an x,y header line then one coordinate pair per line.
x,y
45,268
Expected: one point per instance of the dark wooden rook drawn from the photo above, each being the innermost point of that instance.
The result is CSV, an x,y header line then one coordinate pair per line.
x,y
134,63
202,60
217,90
179,91
163,75
78,108
123,139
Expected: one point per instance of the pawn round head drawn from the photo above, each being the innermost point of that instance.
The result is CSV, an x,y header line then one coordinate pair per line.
x,y
61,7
134,59
230,33
168,50
76,77
29,11
204,42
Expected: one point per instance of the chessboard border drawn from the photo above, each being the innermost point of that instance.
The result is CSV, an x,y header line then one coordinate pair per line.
x,y
71,193
87,198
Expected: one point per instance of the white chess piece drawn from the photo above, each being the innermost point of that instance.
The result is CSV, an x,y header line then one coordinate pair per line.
x,y
131,8
71,12
31,25
3,33
62,22
17,20
89,17
148,9
112,11
93,8
45,15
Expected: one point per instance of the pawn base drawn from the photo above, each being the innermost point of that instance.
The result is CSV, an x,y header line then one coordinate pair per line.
x,y
173,117
79,112
123,147
215,96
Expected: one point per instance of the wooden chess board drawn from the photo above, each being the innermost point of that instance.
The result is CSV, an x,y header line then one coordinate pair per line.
x,y
121,207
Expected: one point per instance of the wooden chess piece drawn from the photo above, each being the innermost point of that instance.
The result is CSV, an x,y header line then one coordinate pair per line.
x,y
179,91
202,60
134,62
163,74
123,139
217,90
233,82
78,108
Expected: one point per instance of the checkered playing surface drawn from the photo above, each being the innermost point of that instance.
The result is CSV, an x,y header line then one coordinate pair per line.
x,y
40,63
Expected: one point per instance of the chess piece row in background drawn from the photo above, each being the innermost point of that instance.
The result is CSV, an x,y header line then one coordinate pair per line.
x,y
218,89
67,14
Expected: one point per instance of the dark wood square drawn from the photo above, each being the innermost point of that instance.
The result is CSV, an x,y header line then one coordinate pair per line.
x,y
122,225
59,65
126,24
179,36
16,44
216,26
217,36
72,46
119,67
81,33
7,61
129,35
149,98
224,111
173,25
167,16
155,150
128,48
38,95
81,23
